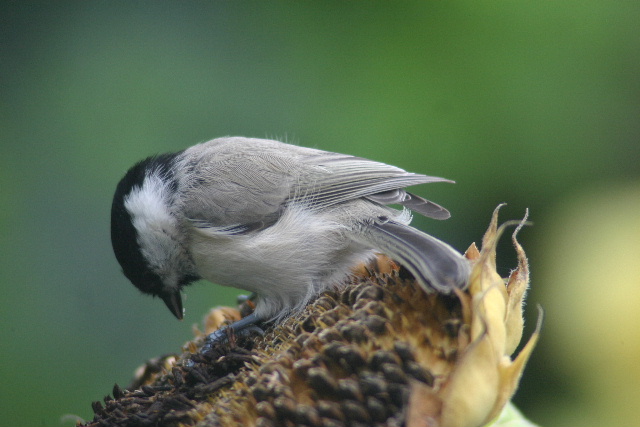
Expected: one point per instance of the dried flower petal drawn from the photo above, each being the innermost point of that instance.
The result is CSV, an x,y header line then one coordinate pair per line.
x,y
485,377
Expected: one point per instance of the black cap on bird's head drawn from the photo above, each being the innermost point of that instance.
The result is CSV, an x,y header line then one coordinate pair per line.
x,y
143,232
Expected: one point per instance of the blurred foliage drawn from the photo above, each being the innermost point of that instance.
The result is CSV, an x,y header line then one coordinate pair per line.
x,y
593,293
523,102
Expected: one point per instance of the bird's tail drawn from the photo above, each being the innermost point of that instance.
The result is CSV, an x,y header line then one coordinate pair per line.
x,y
434,264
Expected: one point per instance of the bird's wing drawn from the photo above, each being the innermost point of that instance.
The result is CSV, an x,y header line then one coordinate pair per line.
x,y
348,177
236,192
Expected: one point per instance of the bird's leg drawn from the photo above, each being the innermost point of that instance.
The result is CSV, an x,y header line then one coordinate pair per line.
x,y
245,325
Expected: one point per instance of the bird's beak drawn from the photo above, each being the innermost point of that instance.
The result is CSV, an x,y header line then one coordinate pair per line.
x,y
174,303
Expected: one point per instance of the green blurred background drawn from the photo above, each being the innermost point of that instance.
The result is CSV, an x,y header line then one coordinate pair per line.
x,y
532,103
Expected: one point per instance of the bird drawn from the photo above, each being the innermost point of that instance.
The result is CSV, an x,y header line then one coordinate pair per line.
x,y
282,221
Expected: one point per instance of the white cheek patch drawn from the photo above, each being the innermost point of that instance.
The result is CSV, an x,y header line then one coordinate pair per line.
x,y
149,209
148,204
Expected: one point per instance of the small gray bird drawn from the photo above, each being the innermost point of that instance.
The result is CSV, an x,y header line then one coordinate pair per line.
x,y
282,221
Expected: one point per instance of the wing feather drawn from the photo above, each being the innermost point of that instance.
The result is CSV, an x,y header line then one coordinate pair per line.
x,y
239,181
